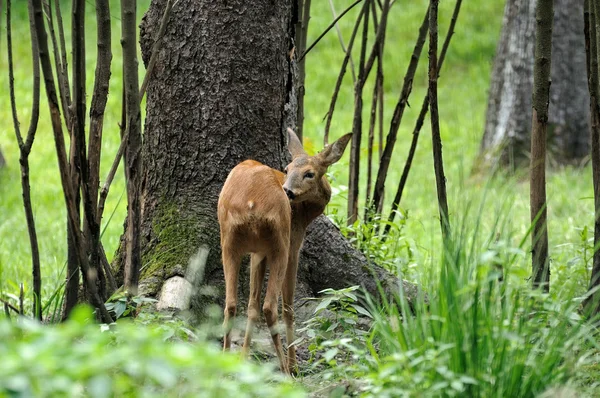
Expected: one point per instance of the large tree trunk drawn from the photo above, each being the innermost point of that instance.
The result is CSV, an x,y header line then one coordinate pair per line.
x,y
506,137
222,91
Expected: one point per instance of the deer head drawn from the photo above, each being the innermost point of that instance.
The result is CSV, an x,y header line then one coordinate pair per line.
x,y
305,176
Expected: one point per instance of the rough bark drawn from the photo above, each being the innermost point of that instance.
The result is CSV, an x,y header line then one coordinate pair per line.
x,y
506,138
223,90
303,17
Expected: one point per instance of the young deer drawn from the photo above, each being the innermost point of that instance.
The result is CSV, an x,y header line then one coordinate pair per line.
x,y
265,212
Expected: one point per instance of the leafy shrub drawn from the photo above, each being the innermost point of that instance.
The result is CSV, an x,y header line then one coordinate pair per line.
x,y
79,358
333,334
474,334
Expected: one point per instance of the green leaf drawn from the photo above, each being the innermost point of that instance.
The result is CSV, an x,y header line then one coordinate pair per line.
x,y
120,308
362,310
323,304
351,295
329,354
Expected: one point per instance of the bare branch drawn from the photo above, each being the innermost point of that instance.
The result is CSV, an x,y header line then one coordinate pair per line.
x,y
354,166
111,175
341,39
338,83
331,25
398,113
63,80
379,38
373,117
419,124
21,296
301,46
64,95
156,47
11,77
8,305
25,149
438,163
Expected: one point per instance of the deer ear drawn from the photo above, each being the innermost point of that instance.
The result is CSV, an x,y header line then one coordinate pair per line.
x,y
294,144
334,152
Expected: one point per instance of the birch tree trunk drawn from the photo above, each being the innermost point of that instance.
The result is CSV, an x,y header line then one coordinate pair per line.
x,y
506,137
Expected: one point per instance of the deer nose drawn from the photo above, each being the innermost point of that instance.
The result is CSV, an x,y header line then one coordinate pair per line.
x,y
289,193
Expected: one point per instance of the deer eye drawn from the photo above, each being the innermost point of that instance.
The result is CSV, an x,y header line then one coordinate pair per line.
x,y
309,175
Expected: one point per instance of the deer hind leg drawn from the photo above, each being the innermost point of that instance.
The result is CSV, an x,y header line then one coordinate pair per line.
x,y
257,276
231,269
277,266
287,295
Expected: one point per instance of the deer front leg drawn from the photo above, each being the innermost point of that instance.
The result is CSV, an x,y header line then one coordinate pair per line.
x,y
288,289
257,276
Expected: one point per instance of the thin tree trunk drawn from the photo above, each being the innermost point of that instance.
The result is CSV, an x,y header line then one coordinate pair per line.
x,y
75,121
134,145
373,116
25,150
438,162
98,106
78,137
68,190
592,303
541,96
354,166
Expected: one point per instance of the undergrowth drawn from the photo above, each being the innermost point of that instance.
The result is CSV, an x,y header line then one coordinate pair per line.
x,y
477,329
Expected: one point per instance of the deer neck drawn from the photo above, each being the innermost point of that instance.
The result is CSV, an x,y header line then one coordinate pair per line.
x,y
305,212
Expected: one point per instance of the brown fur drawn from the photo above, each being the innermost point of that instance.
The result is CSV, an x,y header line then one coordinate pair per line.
x,y
256,216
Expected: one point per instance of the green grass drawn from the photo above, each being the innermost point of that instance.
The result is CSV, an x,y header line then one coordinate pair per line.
x,y
415,246
474,336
